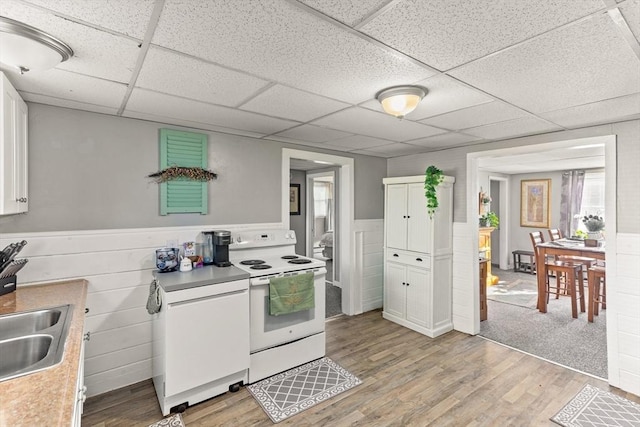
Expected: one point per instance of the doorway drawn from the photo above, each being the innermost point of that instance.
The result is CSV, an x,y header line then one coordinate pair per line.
x,y
544,153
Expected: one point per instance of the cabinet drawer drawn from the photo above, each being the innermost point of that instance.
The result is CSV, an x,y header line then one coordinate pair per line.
x,y
409,258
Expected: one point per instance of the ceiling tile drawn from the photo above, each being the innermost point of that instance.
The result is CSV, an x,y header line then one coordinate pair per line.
x,y
75,105
347,12
357,142
576,65
445,140
124,16
69,86
607,111
96,53
378,125
478,115
311,133
285,44
630,11
161,105
446,33
188,77
392,150
512,128
288,103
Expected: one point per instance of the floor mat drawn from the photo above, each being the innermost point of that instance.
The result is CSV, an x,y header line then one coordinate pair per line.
x,y
174,420
297,389
593,407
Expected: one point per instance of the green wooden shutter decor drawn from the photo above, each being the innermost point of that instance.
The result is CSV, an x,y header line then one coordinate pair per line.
x,y
187,149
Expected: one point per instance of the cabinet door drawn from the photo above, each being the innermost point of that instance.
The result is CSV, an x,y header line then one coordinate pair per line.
x,y
396,216
419,296
418,222
13,150
394,289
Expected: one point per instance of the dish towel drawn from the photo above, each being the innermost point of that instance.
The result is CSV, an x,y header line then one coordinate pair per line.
x,y
291,294
154,302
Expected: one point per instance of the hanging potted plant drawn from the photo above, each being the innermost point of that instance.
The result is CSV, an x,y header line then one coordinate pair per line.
x,y
490,219
433,177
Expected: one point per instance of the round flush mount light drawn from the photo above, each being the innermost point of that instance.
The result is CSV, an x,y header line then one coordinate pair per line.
x,y
25,48
400,100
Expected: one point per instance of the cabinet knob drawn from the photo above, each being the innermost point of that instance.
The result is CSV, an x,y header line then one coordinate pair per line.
x,y
419,259
404,216
87,336
403,283
396,255
407,284
22,200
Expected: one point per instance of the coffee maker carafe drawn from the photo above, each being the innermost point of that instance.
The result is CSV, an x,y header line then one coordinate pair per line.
x,y
216,247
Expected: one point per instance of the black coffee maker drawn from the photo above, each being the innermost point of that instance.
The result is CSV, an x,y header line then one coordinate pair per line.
x,y
219,241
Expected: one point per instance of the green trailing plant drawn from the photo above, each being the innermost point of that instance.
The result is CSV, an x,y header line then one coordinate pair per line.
x,y
490,219
432,178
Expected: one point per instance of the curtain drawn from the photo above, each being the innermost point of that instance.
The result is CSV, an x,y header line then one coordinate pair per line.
x,y
571,201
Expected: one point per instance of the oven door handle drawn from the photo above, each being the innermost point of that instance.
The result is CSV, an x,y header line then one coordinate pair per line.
x,y
264,280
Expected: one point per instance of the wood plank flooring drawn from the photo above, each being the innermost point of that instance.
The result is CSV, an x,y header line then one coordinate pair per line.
x,y
408,380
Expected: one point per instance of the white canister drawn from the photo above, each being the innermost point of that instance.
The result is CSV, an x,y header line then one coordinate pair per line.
x,y
185,264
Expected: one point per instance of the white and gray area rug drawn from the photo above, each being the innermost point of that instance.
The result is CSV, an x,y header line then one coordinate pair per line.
x,y
297,389
174,420
593,407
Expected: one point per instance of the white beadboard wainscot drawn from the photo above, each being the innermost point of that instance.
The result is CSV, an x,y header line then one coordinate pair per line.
x,y
465,256
368,238
118,265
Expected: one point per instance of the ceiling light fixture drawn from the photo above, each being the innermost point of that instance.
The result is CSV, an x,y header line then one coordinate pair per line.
x,y
400,100
25,48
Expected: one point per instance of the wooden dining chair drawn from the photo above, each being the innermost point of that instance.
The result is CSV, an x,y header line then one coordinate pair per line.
x,y
597,291
555,234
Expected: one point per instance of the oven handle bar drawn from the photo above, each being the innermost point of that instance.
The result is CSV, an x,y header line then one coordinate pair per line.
x,y
264,280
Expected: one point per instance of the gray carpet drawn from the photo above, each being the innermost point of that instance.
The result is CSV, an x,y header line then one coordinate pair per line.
x,y
333,295
554,335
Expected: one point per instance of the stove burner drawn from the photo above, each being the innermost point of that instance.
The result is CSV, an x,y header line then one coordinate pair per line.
x,y
290,257
300,261
252,262
260,266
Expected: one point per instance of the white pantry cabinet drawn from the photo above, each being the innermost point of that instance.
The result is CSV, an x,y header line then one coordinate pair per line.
x,y
13,150
418,255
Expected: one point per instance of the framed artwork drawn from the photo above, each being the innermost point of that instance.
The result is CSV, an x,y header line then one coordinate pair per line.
x,y
534,202
294,199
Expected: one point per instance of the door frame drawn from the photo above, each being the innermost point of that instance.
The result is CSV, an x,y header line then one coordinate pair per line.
x,y
351,289
310,219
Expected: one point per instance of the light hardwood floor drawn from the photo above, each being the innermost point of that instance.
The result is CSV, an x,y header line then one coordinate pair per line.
x,y
408,380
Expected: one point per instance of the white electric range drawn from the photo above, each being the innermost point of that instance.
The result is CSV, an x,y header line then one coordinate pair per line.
x,y
278,343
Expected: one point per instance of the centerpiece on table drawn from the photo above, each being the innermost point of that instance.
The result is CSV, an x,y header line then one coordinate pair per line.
x,y
594,225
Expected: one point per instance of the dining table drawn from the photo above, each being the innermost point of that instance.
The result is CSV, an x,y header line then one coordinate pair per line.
x,y
561,247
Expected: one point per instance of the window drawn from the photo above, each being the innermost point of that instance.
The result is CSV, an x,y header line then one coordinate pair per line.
x,y
592,197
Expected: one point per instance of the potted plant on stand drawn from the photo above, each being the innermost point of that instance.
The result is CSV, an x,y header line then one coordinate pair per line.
x,y
490,219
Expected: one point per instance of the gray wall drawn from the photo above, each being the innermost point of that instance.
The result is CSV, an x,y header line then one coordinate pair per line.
x,y
88,171
454,162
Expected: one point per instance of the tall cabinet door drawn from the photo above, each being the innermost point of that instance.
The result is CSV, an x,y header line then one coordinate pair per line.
x,y
418,224
394,289
419,296
396,216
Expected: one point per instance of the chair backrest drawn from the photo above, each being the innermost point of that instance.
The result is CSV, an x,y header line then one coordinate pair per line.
x,y
536,237
555,234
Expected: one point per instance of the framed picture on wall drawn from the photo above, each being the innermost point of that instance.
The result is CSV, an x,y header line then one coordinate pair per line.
x,y
535,195
294,199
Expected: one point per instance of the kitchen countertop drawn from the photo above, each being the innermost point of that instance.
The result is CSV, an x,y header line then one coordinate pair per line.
x,y
207,275
46,397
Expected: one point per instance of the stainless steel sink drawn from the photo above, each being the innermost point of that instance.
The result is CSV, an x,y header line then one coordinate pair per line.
x,y
31,341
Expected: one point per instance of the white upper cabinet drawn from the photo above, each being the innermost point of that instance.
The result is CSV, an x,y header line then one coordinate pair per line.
x,y
13,151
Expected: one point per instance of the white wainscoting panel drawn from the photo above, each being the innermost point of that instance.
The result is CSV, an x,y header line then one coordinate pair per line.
x,y
465,255
118,265
368,238
626,294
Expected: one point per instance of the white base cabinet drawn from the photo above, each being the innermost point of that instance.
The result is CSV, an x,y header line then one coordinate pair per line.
x,y
13,150
418,256
81,390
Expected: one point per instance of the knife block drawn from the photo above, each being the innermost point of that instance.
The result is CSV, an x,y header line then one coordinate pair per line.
x,y
8,284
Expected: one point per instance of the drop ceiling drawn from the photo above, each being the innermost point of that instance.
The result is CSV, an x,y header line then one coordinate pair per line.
x,y
306,72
